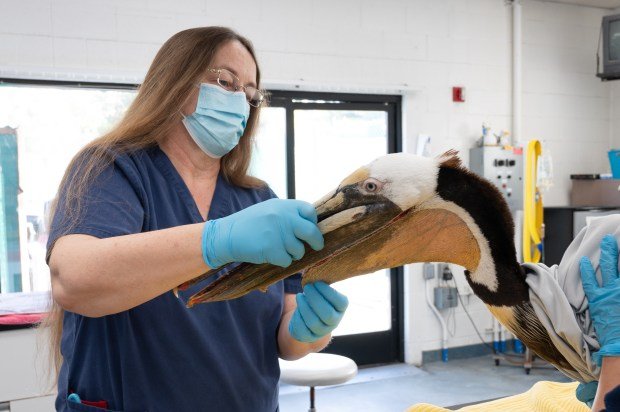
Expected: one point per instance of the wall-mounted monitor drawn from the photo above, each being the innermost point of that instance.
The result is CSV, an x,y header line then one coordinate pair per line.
x,y
611,48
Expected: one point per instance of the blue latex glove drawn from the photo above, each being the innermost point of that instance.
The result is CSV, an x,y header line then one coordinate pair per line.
x,y
604,301
586,392
319,310
267,232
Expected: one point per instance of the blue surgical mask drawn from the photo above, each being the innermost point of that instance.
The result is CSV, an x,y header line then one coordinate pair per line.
x,y
219,120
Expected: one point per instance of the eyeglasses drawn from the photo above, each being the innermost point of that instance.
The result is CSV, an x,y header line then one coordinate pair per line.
x,y
228,81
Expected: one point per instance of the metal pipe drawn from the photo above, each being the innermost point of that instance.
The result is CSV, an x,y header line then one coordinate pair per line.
x,y
502,338
516,72
312,408
495,335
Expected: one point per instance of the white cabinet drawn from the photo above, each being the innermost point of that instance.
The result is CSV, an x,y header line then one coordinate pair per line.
x,y
40,404
24,383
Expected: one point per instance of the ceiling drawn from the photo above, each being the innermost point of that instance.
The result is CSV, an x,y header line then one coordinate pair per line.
x,y
606,4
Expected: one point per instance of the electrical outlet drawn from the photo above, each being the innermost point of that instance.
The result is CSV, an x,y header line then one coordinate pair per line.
x,y
444,271
428,270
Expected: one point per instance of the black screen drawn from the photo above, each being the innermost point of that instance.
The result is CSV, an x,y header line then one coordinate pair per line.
x,y
614,40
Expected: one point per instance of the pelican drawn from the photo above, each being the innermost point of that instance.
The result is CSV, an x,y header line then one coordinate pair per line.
x,y
401,209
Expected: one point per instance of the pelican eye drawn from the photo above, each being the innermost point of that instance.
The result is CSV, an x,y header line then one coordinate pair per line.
x,y
371,185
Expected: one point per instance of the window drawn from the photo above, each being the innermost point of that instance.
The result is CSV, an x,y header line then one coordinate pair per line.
x,y
306,143
46,124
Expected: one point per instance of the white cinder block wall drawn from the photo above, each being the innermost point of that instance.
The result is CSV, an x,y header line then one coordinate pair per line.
x,y
427,45
614,134
614,112
564,104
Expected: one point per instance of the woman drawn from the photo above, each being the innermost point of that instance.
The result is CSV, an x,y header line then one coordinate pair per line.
x,y
129,225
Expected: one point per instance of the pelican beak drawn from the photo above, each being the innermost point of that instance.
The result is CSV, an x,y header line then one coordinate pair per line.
x,y
345,217
349,205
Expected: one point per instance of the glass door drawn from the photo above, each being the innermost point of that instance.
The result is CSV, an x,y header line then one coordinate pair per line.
x,y
328,136
269,152
329,145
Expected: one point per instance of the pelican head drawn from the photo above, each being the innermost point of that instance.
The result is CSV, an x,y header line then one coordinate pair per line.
x,y
379,185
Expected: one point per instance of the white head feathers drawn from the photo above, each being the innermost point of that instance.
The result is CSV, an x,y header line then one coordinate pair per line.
x,y
408,179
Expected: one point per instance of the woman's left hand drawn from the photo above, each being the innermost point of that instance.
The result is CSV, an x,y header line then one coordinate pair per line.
x,y
604,300
319,310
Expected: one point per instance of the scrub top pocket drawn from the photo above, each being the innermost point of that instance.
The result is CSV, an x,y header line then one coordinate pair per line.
x,y
74,406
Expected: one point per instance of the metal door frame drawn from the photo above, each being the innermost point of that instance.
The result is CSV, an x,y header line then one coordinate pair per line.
x,y
373,347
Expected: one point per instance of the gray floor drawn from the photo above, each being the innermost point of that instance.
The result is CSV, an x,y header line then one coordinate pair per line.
x,y
396,387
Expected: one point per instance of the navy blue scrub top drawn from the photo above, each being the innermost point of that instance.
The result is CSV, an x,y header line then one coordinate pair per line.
x,y
161,356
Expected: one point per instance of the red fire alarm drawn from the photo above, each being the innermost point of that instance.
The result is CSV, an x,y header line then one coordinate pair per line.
x,y
458,94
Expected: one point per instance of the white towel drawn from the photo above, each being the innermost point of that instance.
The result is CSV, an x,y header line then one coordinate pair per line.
x,y
24,302
560,302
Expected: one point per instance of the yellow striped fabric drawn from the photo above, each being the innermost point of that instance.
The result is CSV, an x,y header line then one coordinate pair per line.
x,y
544,396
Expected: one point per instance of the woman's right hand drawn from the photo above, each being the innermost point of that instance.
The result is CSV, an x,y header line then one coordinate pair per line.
x,y
268,232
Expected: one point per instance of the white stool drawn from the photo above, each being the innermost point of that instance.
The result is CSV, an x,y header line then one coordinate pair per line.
x,y
317,369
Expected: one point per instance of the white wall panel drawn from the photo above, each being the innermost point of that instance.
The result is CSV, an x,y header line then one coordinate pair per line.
x,y
384,15
78,20
346,14
32,17
70,52
448,49
28,51
101,54
145,27
614,137
402,46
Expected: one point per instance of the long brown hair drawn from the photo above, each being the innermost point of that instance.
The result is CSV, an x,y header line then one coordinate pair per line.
x,y
179,65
